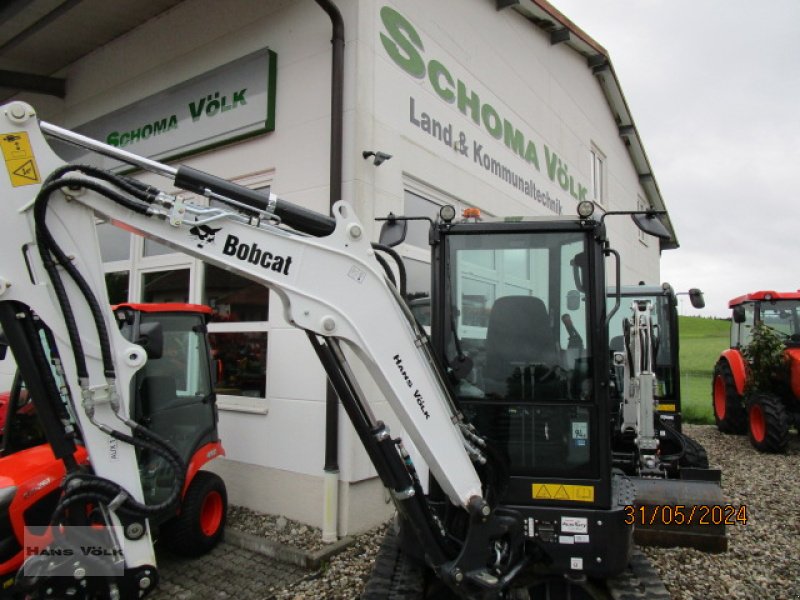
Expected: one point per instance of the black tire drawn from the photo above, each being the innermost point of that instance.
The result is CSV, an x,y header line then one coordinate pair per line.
x,y
694,455
727,403
768,423
201,522
394,576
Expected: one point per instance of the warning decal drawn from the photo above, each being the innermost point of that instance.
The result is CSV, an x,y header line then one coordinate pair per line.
x,y
20,162
557,491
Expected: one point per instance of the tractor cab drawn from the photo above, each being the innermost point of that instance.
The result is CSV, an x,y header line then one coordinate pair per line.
x,y
173,394
746,396
779,312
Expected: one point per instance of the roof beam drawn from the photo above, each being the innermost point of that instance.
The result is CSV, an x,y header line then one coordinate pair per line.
x,y
27,82
559,35
501,4
43,22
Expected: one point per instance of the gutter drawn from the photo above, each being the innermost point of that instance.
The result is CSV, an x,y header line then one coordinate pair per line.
x,y
561,30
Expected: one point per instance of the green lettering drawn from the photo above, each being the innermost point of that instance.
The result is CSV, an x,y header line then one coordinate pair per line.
x,y
474,102
406,37
435,72
173,123
196,110
113,138
531,156
491,120
513,138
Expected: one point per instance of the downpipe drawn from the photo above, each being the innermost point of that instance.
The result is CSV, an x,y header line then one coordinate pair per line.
x,y
330,516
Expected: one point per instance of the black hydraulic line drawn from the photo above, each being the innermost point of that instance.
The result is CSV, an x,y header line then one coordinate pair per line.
x,y
83,486
47,245
385,456
141,190
386,268
401,268
142,438
24,341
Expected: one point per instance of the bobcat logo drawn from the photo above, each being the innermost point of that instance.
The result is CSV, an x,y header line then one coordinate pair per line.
x,y
204,234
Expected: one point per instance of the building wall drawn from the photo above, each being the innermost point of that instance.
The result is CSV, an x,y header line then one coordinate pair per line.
x,y
547,93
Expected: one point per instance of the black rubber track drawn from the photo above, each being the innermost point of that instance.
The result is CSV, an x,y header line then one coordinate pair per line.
x,y
776,421
735,421
394,576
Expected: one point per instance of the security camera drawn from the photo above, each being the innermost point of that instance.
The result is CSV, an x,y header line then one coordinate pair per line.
x,y
379,157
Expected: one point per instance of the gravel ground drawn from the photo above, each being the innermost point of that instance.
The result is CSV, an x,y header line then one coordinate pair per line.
x,y
763,559
276,528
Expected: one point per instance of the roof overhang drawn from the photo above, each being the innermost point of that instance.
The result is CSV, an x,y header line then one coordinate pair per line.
x,y
563,31
39,38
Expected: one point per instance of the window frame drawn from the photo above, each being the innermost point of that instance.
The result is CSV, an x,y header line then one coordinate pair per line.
x,y
598,170
137,265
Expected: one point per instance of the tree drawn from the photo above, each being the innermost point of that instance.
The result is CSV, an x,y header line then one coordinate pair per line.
x,y
767,364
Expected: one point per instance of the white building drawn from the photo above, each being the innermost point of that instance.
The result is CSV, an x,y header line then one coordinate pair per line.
x,y
498,104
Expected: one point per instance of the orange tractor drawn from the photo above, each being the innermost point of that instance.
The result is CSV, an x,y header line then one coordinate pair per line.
x,y
764,412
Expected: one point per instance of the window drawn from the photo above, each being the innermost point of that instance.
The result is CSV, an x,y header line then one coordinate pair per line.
x,y
598,176
117,284
421,201
742,333
139,269
641,205
165,286
115,243
528,386
238,332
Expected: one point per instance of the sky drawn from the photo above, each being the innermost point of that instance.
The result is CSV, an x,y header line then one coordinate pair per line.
x,y
714,89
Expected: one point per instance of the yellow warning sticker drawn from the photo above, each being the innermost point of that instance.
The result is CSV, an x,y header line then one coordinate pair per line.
x,y
558,491
20,162
666,408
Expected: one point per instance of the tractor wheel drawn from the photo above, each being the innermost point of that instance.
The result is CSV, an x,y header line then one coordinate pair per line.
x,y
768,423
694,455
201,522
729,411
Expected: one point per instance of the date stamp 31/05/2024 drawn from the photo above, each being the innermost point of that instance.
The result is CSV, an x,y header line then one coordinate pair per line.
x,y
680,514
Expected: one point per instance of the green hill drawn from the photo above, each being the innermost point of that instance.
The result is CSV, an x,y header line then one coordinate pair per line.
x,y
701,341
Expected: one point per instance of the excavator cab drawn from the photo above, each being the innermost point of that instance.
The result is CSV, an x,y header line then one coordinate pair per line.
x,y
519,322
664,302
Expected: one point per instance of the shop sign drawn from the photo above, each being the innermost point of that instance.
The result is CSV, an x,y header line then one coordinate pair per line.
x,y
405,47
231,102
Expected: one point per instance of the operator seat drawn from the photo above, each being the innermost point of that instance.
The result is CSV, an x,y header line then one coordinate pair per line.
x,y
519,335
522,357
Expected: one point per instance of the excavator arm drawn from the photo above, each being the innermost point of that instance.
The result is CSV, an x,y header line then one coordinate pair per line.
x,y
330,283
638,402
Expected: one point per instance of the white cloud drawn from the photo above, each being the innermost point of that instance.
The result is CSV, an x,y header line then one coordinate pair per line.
x,y
713,87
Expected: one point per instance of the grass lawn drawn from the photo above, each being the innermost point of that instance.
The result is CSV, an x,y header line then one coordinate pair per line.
x,y
701,340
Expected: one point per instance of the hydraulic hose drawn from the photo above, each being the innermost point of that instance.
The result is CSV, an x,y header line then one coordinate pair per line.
x,y
48,245
401,268
386,268
90,487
